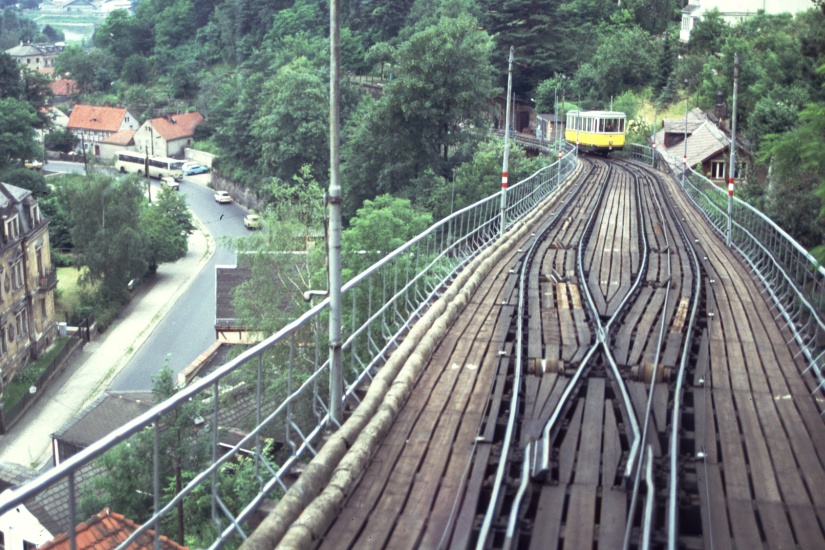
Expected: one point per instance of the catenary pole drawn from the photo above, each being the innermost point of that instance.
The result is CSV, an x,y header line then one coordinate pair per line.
x,y
503,218
732,171
684,160
336,375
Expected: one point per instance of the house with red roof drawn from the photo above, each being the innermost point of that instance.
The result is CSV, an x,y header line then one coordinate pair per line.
x,y
119,141
107,530
62,90
167,136
93,124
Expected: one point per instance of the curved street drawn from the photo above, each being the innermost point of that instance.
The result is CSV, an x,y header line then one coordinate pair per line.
x,y
189,326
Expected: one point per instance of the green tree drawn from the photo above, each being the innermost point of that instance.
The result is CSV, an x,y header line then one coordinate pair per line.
x,y
797,186
53,35
481,177
708,34
444,88
9,77
278,275
379,227
17,136
124,35
165,225
127,479
104,215
525,25
293,129
27,179
136,70
93,70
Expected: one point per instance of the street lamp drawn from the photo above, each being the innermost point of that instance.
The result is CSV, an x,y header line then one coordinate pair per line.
x,y
684,161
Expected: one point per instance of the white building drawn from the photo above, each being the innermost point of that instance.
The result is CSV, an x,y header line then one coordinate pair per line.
x,y
734,11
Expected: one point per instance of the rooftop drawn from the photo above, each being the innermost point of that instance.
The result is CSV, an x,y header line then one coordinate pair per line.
x,y
108,530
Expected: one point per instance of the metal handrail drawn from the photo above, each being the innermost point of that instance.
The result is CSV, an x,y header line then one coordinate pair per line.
x,y
291,401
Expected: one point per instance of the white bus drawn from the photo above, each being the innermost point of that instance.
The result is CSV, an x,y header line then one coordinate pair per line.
x,y
133,162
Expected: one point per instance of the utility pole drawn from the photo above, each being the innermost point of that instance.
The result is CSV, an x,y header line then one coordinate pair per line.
x,y
83,148
558,172
684,161
732,171
336,373
503,217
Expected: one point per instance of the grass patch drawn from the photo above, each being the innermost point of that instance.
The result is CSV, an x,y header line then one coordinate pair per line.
x,y
30,374
68,295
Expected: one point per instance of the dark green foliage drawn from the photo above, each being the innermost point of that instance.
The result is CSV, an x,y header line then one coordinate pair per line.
x,y
10,85
14,28
17,123
445,83
27,179
534,29
708,34
666,59
53,35
136,70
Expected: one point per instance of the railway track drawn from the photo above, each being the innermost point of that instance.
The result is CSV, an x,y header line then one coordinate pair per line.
x,y
597,392
621,279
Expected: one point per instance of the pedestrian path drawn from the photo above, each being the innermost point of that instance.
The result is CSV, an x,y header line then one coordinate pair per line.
x,y
28,443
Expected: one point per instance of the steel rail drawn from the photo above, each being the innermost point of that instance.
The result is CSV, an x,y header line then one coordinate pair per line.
x,y
541,462
503,464
649,406
676,416
602,332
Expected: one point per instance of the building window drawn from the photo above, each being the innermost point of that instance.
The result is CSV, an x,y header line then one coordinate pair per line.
x,y
17,274
22,324
12,228
717,170
35,212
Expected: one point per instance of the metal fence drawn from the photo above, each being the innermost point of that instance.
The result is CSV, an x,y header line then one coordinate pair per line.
x,y
794,279
229,441
11,415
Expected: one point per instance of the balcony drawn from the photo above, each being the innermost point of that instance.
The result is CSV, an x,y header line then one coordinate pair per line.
x,y
47,280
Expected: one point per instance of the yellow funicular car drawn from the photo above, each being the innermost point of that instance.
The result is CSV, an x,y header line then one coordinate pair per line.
x,y
596,131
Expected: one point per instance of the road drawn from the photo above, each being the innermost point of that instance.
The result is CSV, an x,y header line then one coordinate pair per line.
x,y
189,327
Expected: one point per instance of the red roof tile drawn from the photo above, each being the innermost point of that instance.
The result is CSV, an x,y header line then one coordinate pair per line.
x,y
176,126
63,86
107,530
124,137
91,117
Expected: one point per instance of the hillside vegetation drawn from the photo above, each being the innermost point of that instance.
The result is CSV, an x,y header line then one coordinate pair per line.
x,y
259,69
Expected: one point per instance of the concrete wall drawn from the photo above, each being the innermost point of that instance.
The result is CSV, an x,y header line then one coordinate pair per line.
x,y
240,195
198,156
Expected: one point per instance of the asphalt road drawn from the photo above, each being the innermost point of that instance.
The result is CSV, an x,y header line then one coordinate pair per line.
x,y
188,329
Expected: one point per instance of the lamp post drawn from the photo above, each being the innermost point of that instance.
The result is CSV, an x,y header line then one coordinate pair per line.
x,y
503,217
336,369
684,160
558,172
732,171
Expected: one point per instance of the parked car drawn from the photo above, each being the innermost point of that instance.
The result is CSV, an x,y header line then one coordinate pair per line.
x,y
33,164
252,221
169,181
222,197
196,169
